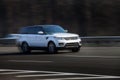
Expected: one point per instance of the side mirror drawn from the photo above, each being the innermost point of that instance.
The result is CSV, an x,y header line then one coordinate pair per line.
x,y
40,32
66,31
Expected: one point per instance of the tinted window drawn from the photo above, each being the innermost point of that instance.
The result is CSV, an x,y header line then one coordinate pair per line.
x,y
34,30
23,30
53,29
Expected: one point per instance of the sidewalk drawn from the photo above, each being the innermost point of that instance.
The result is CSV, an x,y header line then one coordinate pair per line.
x,y
9,49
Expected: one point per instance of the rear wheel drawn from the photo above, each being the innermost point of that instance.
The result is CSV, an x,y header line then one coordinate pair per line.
x,y
52,48
25,48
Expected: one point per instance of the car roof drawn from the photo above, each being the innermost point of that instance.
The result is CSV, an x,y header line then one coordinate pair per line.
x,y
39,26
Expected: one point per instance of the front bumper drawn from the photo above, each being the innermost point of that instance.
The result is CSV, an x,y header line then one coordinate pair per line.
x,y
72,45
69,45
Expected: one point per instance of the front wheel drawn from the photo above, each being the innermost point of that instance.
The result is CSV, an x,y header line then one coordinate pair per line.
x,y
52,48
25,48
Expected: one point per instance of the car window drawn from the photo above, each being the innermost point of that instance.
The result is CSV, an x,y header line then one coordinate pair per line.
x,y
53,29
34,30
23,30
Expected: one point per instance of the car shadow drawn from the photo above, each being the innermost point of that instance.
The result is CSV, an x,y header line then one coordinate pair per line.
x,y
32,53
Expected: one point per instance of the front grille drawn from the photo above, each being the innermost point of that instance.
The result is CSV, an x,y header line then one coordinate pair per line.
x,y
72,45
70,38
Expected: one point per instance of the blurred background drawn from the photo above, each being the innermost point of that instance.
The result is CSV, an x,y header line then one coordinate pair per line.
x,y
84,17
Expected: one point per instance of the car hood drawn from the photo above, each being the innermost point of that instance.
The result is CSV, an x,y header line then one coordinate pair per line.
x,y
65,35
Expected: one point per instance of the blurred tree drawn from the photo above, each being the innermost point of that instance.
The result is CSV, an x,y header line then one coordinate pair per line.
x,y
85,17
3,25
80,10
52,10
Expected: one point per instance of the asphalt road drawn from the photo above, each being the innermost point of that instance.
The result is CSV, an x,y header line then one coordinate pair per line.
x,y
91,63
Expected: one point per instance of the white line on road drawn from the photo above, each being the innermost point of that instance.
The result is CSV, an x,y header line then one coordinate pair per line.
x,y
48,74
93,76
113,57
39,75
29,61
19,72
81,78
10,70
30,71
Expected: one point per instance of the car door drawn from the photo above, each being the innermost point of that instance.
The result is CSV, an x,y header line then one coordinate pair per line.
x,y
36,39
39,39
31,36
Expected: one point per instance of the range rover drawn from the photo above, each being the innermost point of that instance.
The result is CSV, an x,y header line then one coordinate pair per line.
x,y
47,37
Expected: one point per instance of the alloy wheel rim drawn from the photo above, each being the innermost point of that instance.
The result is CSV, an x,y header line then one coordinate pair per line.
x,y
51,47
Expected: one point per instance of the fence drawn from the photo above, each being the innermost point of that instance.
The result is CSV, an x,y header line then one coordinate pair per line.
x,y
90,40
101,41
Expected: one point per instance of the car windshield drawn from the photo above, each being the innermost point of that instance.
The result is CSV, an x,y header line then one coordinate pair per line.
x,y
53,29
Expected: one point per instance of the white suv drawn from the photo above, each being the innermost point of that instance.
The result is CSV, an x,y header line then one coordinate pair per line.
x,y
47,37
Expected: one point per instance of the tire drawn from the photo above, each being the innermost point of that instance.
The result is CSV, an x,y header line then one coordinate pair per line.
x,y
25,48
51,48
76,50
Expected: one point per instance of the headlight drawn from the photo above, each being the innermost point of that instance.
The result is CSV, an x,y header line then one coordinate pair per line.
x,y
60,38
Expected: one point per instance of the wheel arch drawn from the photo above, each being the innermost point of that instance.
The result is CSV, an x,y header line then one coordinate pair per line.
x,y
54,50
52,42
24,42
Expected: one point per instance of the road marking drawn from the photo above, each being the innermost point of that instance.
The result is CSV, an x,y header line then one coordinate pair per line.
x,y
19,72
62,75
81,78
92,56
10,70
92,76
43,75
28,61
30,71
